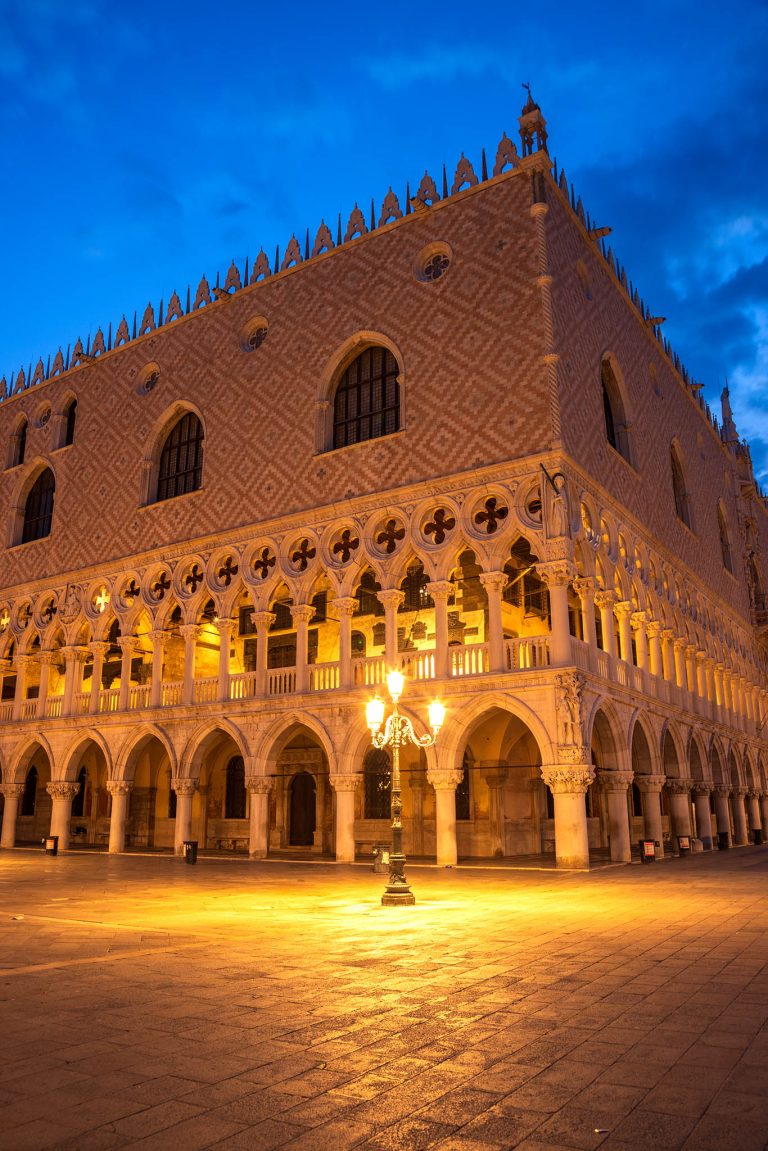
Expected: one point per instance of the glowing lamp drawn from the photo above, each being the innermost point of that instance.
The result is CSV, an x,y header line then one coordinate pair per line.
x,y
436,715
374,713
395,684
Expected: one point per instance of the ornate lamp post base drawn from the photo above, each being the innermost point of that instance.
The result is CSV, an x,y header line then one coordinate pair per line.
x,y
398,893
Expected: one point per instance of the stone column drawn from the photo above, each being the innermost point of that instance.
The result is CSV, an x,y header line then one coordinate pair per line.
x,y
764,816
568,783
128,645
74,658
585,589
185,789
99,650
650,790
723,810
158,639
301,614
604,601
495,781
225,640
46,659
753,814
703,815
440,592
345,785
709,674
494,584
680,806
263,621
639,625
655,663
20,694
623,613
62,793
718,674
615,784
679,646
558,575
345,607
701,679
258,842
391,599
189,633
120,790
667,654
12,793
445,781
739,816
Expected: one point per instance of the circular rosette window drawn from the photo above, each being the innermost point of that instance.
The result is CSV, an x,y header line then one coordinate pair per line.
x,y
223,569
529,507
253,334
157,584
128,592
489,515
437,525
301,554
45,610
259,563
189,577
345,543
388,535
432,262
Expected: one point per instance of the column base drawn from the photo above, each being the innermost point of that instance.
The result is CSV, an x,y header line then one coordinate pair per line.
x,y
398,897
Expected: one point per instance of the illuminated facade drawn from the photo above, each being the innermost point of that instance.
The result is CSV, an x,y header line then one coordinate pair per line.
x,y
448,439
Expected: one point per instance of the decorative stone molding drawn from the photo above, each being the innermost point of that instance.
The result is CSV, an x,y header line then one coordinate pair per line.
x,y
12,790
445,779
345,781
260,785
584,587
441,590
556,573
184,787
604,599
722,789
119,786
577,754
494,581
62,789
390,597
700,788
679,786
302,612
345,605
567,779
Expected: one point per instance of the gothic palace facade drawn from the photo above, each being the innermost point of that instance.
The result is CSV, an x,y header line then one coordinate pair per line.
x,y
449,439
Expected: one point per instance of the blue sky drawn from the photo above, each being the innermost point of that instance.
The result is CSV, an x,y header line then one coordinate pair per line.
x,y
145,144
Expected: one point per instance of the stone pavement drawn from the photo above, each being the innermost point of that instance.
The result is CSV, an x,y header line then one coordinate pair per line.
x,y
247,1006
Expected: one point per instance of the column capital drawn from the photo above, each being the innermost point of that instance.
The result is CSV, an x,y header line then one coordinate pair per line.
x,y
302,612
445,778
739,789
158,636
47,656
224,624
128,642
680,644
441,589
638,619
346,605
701,788
12,790
722,789
99,647
605,599
119,786
650,784
494,581
567,778
653,629
259,785
75,654
615,780
623,609
264,619
667,633
585,586
701,657
679,786
390,597
190,631
556,573
345,780
184,787
62,789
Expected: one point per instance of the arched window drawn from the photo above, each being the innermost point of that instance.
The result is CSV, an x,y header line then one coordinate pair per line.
x,y
462,791
234,802
19,445
613,411
682,500
69,427
377,775
181,460
29,797
725,543
38,510
172,797
367,400
78,803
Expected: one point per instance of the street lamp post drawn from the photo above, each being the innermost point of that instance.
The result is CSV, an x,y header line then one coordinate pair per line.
x,y
398,731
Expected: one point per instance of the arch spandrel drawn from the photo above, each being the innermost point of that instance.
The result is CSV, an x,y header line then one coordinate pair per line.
x,y
461,722
135,743
83,739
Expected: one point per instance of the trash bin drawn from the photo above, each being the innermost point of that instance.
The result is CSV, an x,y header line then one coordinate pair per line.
x,y
380,860
684,845
190,851
51,844
723,840
647,850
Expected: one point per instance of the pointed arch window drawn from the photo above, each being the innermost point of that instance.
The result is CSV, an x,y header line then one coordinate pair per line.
x,y
725,543
462,791
614,411
234,802
29,796
78,803
679,488
377,777
19,445
38,509
367,400
69,424
181,460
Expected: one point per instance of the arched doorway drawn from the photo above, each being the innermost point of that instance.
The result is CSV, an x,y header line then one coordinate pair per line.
x,y
302,818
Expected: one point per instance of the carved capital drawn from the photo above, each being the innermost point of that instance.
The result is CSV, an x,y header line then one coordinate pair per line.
x,y
653,631
638,620
667,634
616,780
494,581
390,597
722,789
650,784
739,790
679,786
48,657
440,590
128,643
259,785
62,789
345,781
99,648
700,788
158,638
445,779
75,654
604,600
12,790
190,631
184,787
680,644
345,606
302,613
264,619
556,573
623,609
567,779
119,787
585,587
225,625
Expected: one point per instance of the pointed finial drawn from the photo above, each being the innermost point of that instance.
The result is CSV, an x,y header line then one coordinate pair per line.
x,y
484,167
306,245
338,232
